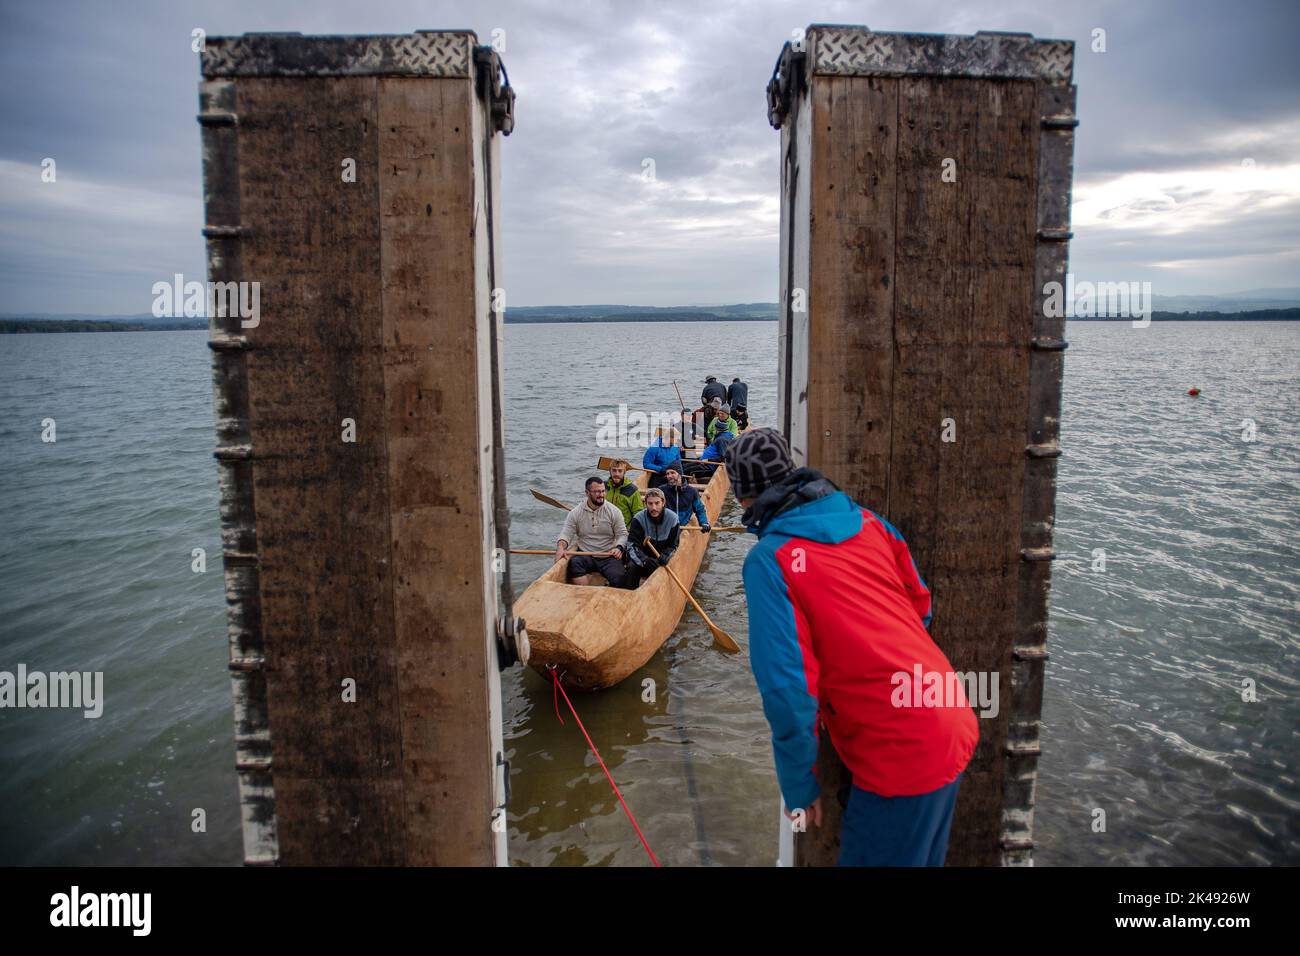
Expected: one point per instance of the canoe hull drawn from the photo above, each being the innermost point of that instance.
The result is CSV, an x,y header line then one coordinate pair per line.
x,y
595,636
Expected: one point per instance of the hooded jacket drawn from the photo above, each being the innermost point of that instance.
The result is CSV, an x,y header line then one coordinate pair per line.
x,y
686,501
837,630
664,533
626,498
658,456
718,447
711,432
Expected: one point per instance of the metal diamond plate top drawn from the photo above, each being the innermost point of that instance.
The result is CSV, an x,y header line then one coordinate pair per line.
x,y
291,54
857,51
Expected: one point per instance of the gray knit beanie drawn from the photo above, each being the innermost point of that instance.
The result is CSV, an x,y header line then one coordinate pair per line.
x,y
756,460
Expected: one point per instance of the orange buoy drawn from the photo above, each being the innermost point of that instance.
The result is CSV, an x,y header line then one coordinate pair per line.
x,y
1193,392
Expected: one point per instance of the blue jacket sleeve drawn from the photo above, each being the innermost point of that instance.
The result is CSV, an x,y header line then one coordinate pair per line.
x,y
700,512
789,692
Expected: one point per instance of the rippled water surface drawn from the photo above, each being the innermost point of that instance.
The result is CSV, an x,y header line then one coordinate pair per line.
x,y
1143,715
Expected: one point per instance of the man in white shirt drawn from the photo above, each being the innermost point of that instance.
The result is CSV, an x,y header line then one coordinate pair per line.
x,y
597,526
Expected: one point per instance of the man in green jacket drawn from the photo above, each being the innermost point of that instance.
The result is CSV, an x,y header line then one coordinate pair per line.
x,y
621,493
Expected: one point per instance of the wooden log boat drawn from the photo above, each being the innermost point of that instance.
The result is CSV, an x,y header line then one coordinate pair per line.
x,y
597,635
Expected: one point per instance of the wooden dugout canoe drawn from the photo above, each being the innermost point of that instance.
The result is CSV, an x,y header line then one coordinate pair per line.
x,y
598,635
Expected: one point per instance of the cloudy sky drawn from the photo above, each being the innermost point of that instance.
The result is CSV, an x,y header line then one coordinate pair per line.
x,y
1187,159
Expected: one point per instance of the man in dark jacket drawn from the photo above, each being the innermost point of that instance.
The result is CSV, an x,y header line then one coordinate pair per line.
x,y
837,637
737,393
693,425
713,389
682,498
656,523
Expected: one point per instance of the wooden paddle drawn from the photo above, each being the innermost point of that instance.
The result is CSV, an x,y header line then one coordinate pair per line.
x,y
568,554
720,637
604,463
679,396
547,499
731,527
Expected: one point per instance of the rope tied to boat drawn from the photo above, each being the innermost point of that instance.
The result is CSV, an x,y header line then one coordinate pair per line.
x,y
559,690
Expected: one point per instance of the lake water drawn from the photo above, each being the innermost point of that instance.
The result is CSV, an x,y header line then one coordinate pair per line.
x,y
1143,712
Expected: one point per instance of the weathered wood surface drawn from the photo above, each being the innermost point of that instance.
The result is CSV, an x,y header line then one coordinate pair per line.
x,y
369,557
596,635
922,308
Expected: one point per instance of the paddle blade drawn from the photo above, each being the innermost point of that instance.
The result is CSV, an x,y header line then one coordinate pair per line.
x,y
723,640
606,463
549,500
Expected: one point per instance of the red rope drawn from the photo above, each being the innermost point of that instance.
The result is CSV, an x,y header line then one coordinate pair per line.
x,y
559,689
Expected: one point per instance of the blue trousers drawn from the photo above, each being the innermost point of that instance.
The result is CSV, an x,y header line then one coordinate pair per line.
x,y
897,831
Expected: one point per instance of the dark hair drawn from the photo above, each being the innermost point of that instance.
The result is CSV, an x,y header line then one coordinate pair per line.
x,y
594,478
735,380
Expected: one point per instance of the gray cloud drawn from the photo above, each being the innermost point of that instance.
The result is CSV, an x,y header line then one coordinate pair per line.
x,y
111,92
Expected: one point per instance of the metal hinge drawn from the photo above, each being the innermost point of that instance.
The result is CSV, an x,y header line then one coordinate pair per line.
x,y
494,86
783,87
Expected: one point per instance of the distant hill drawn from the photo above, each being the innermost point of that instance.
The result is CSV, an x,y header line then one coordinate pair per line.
x,y
101,325
1251,301
1258,315
750,312
1257,305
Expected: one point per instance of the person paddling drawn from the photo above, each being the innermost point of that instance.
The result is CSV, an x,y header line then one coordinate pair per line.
x,y
664,452
658,524
837,629
622,493
595,525
714,452
682,498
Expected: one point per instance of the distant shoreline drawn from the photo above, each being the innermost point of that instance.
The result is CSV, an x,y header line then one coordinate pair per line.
x,y
13,326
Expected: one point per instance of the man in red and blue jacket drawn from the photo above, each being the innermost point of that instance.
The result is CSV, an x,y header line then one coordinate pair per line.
x,y
837,627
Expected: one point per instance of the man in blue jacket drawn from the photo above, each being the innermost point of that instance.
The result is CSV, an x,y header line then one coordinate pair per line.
x,y
715,452
664,452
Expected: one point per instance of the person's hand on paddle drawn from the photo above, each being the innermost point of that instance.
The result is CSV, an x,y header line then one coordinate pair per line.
x,y
615,552
812,813
705,528
560,552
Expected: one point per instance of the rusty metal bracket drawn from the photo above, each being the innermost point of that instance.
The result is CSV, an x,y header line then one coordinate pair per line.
x,y
787,75
512,641
494,86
